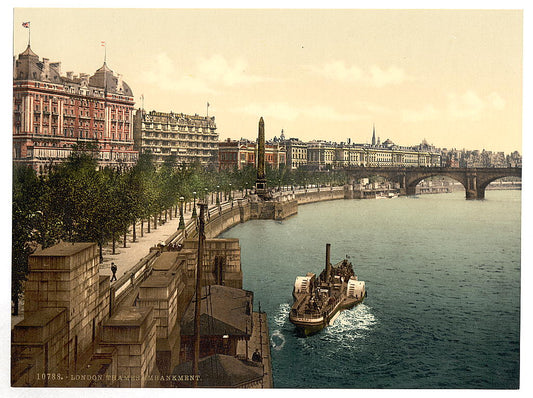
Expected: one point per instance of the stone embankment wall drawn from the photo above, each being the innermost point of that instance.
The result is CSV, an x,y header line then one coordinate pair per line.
x,y
315,195
226,216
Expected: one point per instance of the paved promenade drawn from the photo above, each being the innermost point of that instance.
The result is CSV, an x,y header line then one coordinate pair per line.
x,y
126,257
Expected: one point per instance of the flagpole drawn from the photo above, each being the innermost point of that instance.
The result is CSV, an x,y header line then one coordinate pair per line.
x,y
29,34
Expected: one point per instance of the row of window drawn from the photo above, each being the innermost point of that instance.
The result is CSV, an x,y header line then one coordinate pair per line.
x,y
70,132
180,137
202,130
180,145
83,103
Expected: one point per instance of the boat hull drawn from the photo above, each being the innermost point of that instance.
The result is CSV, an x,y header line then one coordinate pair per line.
x,y
309,326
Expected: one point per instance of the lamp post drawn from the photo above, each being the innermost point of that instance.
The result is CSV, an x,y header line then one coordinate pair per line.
x,y
229,192
182,222
194,206
206,197
218,199
246,188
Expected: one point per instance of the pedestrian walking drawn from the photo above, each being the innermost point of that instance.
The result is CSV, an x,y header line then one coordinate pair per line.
x,y
114,271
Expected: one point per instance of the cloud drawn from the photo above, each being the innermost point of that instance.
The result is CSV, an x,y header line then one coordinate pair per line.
x,y
496,101
384,77
279,110
219,69
466,106
167,76
285,111
328,113
338,71
469,105
425,114
374,76
206,76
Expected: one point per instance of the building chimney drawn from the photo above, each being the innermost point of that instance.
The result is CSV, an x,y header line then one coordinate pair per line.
x,y
84,77
120,87
57,67
70,75
45,74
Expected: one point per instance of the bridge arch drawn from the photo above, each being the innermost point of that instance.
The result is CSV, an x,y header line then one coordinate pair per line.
x,y
368,173
411,183
484,183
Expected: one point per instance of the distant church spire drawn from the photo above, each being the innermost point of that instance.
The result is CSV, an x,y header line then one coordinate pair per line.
x,y
373,135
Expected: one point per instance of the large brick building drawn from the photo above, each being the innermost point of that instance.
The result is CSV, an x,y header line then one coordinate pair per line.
x,y
240,153
52,112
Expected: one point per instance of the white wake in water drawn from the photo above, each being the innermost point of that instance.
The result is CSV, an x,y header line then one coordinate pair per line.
x,y
282,316
277,339
352,324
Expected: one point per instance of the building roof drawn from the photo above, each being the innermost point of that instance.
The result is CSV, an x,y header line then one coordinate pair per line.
x,y
40,318
224,311
128,316
105,78
166,261
28,52
63,249
29,67
221,371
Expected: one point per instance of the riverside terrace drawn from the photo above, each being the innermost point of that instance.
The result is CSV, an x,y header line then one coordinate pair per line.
x,y
38,341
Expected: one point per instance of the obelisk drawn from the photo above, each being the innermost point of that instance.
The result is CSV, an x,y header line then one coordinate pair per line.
x,y
261,183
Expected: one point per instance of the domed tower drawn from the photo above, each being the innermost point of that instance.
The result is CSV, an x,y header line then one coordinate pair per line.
x,y
106,79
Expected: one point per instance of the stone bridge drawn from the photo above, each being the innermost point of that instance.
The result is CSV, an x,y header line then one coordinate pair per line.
x,y
474,180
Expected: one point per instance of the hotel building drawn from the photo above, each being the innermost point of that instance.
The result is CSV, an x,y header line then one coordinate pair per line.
x,y
52,113
187,138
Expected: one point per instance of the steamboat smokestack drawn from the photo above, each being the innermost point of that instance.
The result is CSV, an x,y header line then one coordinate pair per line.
x,y
328,263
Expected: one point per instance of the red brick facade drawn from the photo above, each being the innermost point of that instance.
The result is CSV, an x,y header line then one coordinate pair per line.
x,y
243,153
51,113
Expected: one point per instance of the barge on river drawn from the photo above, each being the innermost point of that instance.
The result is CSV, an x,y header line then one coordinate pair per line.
x,y
318,301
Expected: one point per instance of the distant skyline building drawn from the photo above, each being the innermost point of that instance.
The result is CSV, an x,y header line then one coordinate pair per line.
x,y
241,153
323,155
52,113
296,151
189,138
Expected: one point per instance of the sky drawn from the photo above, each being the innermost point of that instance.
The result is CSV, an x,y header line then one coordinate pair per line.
x,y
452,77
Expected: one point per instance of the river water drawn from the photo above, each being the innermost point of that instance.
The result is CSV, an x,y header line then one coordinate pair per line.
x,y
443,281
